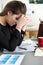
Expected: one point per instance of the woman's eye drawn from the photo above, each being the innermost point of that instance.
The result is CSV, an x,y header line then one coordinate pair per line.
x,y
17,18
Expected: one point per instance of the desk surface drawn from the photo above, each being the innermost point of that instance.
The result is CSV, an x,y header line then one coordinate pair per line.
x,y
30,59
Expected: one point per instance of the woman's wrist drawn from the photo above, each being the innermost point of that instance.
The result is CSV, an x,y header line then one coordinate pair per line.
x,y
18,28
23,32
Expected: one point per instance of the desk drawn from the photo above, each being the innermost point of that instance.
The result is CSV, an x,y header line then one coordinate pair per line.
x,y
30,59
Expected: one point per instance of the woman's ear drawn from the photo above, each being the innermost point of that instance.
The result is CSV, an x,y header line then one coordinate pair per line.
x,y
9,13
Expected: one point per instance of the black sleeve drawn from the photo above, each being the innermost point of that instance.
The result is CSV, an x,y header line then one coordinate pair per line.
x,y
11,44
22,36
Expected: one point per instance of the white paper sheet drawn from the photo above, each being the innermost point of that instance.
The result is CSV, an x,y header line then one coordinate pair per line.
x,y
38,52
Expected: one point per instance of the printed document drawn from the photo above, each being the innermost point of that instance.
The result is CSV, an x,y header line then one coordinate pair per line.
x,y
11,59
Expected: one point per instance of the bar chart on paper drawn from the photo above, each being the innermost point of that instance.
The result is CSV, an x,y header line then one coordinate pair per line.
x,y
11,59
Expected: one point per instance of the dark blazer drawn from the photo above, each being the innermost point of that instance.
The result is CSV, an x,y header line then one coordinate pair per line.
x,y
10,37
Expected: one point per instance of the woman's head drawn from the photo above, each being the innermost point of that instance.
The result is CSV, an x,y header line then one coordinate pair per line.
x,y
16,7
13,8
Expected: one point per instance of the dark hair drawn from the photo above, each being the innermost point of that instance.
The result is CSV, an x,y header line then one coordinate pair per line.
x,y
15,7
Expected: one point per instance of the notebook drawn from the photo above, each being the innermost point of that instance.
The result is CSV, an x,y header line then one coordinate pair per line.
x,y
11,59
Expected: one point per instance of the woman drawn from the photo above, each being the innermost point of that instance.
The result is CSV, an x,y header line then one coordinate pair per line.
x,y
12,25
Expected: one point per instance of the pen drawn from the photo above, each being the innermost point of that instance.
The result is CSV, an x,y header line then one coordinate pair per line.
x,y
23,48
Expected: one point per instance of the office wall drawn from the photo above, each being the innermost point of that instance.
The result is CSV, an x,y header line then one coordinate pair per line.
x,y
0,5
35,11
3,3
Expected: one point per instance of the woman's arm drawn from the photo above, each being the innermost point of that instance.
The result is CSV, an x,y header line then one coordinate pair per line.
x,y
10,44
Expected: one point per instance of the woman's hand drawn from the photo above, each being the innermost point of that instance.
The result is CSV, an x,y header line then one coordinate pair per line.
x,y
24,28
23,20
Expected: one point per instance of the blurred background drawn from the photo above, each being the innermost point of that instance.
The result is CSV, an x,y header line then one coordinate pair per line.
x,y
34,11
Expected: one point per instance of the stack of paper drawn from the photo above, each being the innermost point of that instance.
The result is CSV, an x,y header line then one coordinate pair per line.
x,y
11,59
38,52
27,46
29,42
